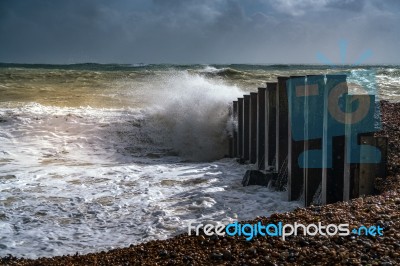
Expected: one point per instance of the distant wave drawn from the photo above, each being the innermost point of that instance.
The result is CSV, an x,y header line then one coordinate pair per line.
x,y
391,72
214,68
223,72
82,66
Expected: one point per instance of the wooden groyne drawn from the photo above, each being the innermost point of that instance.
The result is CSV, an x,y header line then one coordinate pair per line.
x,y
308,136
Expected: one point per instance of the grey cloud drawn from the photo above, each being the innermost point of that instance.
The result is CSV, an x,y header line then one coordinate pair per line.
x,y
189,31
347,5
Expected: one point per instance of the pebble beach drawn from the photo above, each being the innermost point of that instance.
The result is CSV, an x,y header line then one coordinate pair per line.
x,y
382,209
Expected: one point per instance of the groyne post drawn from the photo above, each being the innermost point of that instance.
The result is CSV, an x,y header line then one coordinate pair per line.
x,y
253,128
281,132
295,140
235,129
382,145
333,141
246,127
313,123
240,129
261,128
271,123
367,172
363,154
230,137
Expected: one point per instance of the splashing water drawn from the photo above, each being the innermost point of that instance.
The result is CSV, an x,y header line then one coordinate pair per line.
x,y
192,112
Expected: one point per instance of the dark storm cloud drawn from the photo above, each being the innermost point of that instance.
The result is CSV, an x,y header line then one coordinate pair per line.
x,y
189,31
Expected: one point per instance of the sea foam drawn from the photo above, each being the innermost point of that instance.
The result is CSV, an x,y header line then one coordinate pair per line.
x,y
88,178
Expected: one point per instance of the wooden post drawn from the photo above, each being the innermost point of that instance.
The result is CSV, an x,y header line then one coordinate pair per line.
x,y
313,122
363,158
235,129
281,131
261,125
367,172
351,170
271,122
295,136
246,127
335,174
230,138
382,144
253,128
333,141
240,128
361,177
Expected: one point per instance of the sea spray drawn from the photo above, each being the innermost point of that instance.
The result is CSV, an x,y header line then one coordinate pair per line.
x,y
192,114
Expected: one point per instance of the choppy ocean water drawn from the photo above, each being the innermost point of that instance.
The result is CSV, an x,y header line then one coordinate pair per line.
x,y
100,156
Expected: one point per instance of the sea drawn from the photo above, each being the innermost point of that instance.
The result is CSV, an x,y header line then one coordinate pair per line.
x,y
100,156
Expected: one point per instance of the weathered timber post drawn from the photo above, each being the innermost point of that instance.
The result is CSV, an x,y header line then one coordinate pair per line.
x,y
363,158
333,141
240,129
261,125
382,144
235,129
246,127
253,128
281,132
230,137
367,171
313,122
295,136
271,122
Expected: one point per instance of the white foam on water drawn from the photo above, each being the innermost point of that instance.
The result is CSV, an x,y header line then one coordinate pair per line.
x,y
91,179
389,87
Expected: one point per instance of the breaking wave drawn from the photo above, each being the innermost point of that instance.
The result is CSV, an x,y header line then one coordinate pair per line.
x,y
190,113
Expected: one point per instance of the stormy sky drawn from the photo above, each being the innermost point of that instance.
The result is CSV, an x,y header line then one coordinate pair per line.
x,y
198,31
